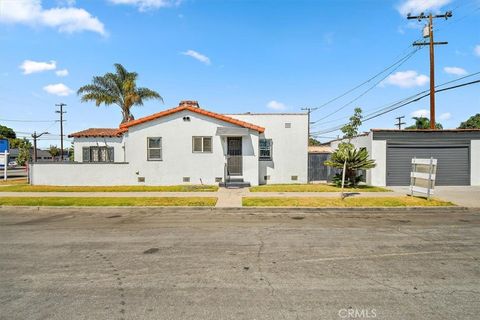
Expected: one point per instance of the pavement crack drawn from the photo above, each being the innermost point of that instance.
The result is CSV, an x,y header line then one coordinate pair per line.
x,y
116,277
261,247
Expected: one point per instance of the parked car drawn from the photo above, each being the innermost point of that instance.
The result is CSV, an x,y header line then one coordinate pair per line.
x,y
12,164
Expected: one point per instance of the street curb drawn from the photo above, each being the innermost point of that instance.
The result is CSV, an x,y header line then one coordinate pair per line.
x,y
242,210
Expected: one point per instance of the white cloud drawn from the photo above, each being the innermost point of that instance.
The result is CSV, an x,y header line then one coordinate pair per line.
x,y
406,79
445,116
58,89
277,106
422,113
62,73
455,71
64,19
144,5
29,66
418,6
476,50
198,56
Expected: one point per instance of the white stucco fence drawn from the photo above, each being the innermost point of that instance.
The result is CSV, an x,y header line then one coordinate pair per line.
x,y
82,174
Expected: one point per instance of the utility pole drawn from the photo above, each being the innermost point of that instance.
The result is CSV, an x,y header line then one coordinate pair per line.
x,y
61,105
35,136
431,44
309,110
399,123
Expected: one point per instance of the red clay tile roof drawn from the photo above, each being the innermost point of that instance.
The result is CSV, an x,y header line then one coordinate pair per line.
x,y
98,132
187,106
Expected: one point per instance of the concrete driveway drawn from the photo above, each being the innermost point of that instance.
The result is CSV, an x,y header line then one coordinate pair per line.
x,y
172,263
467,196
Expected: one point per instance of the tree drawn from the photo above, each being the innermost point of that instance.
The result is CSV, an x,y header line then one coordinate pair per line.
x,y
356,159
472,123
7,133
24,146
118,88
423,123
313,142
54,152
346,157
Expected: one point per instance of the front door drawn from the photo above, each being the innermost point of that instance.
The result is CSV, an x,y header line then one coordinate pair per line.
x,y
234,156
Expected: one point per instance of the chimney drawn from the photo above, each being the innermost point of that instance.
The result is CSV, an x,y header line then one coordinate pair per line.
x,y
189,103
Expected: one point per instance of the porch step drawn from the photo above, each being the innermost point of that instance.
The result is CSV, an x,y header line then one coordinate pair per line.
x,y
235,183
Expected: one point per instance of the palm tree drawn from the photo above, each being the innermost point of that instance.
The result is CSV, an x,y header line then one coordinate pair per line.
x,y
118,88
423,123
353,160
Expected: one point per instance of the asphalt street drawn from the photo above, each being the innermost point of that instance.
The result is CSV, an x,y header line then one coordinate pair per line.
x,y
129,263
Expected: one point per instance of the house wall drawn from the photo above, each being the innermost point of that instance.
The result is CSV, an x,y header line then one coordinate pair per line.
x,y
475,163
290,146
116,142
178,160
81,174
290,153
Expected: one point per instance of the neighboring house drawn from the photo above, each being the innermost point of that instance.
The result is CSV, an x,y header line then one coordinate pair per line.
x,y
188,144
42,155
457,152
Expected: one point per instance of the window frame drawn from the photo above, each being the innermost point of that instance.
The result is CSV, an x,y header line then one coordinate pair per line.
x,y
98,149
202,144
149,158
270,149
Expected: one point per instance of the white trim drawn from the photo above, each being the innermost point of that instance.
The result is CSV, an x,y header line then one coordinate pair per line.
x,y
424,161
421,190
422,175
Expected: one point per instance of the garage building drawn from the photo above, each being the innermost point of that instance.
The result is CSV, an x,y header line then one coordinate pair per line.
x,y
457,152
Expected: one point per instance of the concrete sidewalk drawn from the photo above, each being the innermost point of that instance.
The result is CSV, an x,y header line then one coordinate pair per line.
x,y
467,196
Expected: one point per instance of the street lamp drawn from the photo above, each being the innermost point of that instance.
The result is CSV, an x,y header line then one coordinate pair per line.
x,y
35,136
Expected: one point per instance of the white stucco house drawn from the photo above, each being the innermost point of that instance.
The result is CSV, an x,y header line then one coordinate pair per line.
x,y
187,145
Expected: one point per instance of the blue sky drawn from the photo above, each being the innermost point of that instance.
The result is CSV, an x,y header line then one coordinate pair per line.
x,y
231,56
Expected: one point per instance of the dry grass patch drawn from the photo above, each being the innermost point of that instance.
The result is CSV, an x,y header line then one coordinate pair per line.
x,y
405,201
13,182
313,188
179,188
108,201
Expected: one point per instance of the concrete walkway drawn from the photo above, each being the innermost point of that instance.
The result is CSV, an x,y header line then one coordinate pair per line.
x,y
467,196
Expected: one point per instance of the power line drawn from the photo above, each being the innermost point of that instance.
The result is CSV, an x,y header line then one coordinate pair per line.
x,y
388,105
396,106
17,120
399,122
61,112
364,82
431,44
370,88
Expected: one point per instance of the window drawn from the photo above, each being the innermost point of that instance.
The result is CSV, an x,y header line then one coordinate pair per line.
x,y
154,149
98,154
288,125
202,144
265,149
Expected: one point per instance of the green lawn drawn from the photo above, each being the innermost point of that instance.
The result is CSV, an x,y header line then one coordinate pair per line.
x,y
403,201
179,188
313,188
107,201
